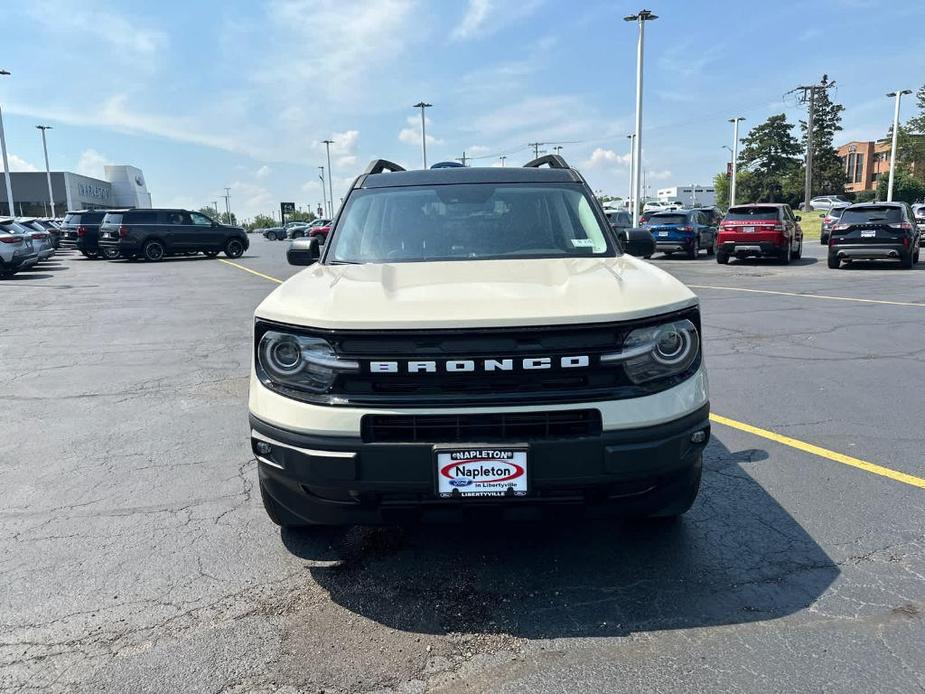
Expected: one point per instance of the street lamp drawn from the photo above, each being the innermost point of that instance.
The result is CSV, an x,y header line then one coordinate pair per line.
x,y
6,164
324,194
735,155
898,95
632,139
51,197
422,105
641,18
558,148
502,158
327,144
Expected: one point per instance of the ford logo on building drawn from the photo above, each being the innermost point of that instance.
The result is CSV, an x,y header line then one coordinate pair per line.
x,y
140,181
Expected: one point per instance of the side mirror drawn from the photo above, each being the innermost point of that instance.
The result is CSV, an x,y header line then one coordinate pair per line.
x,y
797,217
638,242
303,252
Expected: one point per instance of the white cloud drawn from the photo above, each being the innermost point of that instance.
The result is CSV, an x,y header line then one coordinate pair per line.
x,y
263,171
249,199
412,134
20,164
91,163
658,175
601,158
343,150
126,37
484,17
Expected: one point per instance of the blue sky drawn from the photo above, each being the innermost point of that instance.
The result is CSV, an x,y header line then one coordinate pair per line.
x,y
203,95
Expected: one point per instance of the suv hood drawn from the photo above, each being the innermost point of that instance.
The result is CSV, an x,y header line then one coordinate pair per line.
x,y
475,293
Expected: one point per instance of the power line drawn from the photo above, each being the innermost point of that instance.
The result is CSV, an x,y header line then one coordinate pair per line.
x,y
807,95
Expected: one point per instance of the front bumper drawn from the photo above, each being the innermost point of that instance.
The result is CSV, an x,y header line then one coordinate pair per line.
x,y
344,481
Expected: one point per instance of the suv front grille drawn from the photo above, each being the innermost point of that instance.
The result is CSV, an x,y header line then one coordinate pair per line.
x,y
452,428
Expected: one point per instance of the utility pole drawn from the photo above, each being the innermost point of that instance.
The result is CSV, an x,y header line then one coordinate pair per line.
x,y
735,154
536,148
808,97
324,193
228,204
898,95
215,207
6,164
632,139
327,144
422,105
463,159
502,158
51,196
640,18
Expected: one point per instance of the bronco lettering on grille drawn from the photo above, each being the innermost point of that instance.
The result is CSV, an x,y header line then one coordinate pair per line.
x,y
578,361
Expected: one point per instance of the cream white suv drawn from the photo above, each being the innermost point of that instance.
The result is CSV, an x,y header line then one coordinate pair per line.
x,y
474,341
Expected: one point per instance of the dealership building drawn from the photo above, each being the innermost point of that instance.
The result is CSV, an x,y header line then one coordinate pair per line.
x,y
124,186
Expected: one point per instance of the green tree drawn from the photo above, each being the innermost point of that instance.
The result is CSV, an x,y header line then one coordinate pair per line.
x,y
262,221
300,216
906,187
770,153
910,141
828,169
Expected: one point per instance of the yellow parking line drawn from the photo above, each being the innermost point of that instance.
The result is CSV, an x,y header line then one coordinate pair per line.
x,y
253,272
822,452
809,296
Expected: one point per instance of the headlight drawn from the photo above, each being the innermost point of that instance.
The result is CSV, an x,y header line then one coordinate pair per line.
x,y
300,361
657,351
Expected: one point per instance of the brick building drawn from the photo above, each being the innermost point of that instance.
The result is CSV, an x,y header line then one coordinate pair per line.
x,y
866,162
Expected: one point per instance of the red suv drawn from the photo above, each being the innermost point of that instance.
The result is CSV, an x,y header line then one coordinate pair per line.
x,y
763,230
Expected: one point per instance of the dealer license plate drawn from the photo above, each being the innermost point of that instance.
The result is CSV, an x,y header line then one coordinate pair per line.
x,y
481,471
663,233
748,229
869,234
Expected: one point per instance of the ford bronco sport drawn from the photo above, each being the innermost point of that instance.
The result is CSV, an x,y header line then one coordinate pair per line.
x,y
474,341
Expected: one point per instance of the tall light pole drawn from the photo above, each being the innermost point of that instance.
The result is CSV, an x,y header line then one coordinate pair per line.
x,y
227,197
6,164
641,18
421,105
735,155
327,144
51,197
898,95
324,193
632,139
502,158
558,148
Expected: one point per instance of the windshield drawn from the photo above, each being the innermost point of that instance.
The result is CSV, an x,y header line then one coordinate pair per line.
x,y
866,215
468,222
749,214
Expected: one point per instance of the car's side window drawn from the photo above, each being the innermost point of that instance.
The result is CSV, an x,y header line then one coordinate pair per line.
x,y
200,219
175,218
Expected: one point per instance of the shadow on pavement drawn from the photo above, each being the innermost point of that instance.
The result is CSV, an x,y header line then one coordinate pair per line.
x,y
26,275
736,557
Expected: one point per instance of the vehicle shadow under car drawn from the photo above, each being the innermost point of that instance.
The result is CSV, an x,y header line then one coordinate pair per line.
x,y
798,262
736,557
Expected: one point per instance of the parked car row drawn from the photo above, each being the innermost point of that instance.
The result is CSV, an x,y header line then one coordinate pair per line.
x,y
24,242
296,230
861,231
149,234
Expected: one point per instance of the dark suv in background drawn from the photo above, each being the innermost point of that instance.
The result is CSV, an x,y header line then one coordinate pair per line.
x,y
153,233
875,231
81,229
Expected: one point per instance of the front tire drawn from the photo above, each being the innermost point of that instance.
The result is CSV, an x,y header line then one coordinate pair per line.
x,y
683,499
153,251
234,248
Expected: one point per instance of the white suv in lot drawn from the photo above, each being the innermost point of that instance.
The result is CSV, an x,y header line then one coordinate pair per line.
x,y
474,340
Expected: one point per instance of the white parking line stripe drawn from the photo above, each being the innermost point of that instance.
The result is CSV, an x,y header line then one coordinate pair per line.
x,y
809,296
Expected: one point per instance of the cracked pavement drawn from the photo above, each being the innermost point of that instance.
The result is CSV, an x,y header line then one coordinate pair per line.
x,y
134,555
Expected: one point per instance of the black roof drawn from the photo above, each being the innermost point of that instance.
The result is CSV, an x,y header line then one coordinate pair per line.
x,y
873,203
486,174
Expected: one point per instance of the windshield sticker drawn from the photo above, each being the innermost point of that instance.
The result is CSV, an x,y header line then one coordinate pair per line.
x,y
582,243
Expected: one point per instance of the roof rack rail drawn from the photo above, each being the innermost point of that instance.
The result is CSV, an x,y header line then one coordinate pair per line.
x,y
554,160
377,166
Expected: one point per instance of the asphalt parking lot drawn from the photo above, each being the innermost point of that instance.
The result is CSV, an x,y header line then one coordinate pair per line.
x,y
135,555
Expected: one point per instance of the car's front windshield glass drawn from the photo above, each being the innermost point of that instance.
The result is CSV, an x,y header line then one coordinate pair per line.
x,y
468,222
